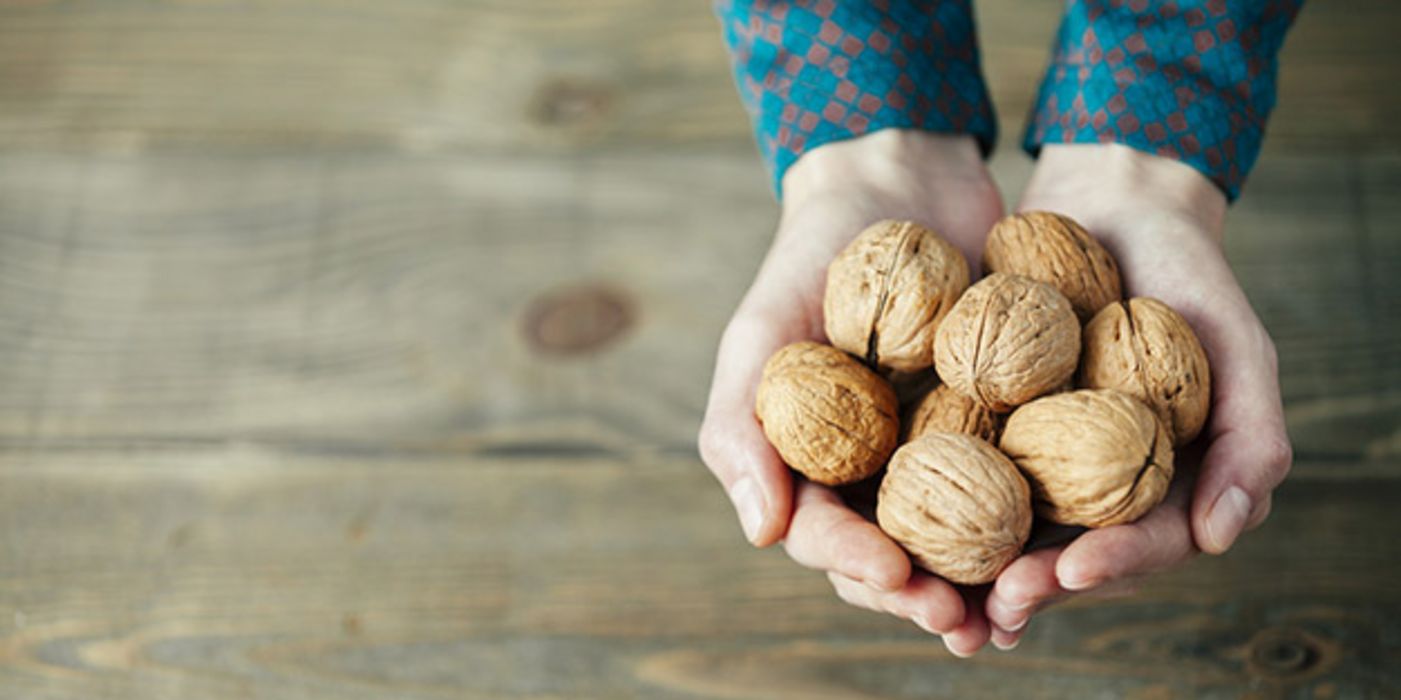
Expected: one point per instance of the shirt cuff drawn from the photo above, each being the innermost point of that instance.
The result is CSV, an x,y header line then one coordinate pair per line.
x,y
815,72
1192,80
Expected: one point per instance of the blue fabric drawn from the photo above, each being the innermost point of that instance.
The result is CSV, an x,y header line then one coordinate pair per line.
x,y
820,71
1192,80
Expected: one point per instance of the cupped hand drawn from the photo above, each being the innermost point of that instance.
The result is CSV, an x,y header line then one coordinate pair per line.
x,y
1164,223
830,195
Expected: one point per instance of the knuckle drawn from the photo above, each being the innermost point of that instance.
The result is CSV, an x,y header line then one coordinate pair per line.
x,y
845,590
840,536
1271,353
706,442
1279,458
793,547
716,451
803,547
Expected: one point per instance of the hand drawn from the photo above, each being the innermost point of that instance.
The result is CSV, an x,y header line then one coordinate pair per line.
x,y
830,195
1163,221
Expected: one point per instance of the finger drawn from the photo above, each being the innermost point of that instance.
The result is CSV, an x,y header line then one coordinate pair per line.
x,y
1161,539
732,443
1024,585
968,637
926,600
853,592
1249,454
1008,639
825,534
1004,640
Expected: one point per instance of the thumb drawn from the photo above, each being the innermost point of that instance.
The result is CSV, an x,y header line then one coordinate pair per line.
x,y
733,444
1249,454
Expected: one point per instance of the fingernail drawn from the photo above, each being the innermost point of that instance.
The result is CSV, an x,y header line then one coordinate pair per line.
x,y
749,503
1009,608
1075,583
1008,646
1006,610
948,645
1227,517
924,625
1076,580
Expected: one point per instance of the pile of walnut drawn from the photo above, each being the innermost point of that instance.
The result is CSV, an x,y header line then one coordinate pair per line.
x,y
1035,411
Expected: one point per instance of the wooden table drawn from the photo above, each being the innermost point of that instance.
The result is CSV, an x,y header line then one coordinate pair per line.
x,y
356,349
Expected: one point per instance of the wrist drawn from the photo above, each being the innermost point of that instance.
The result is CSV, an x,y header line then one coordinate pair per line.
x,y
1121,187
892,162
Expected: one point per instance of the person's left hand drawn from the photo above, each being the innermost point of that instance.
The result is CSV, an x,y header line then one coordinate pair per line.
x,y
1163,221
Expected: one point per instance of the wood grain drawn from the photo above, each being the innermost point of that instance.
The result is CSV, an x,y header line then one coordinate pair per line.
x,y
326,302
227,571
357,349
549,76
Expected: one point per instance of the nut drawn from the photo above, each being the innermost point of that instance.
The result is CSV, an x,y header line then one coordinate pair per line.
x,y
957,505
828,416
1058,251
1008,340
888,291
1144,348
944,410
1094,457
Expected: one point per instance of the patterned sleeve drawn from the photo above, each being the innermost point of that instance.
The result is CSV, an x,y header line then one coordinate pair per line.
x,y
1192,80
812,72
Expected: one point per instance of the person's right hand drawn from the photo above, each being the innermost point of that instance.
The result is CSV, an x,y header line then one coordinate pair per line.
x,y
830,195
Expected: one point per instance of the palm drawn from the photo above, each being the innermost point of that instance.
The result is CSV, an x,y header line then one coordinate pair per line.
x,y
1179,261
784,305
1163,222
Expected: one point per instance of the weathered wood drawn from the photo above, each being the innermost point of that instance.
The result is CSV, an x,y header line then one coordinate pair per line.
x,y
221,572
357,349
542,76
361,301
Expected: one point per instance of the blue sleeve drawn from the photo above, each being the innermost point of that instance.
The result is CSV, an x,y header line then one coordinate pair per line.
x,y
1192,80
817,71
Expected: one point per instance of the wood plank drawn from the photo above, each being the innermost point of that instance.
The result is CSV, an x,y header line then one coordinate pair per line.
x,y
380,302
545,76
238,572
357,349
301,297
1312,245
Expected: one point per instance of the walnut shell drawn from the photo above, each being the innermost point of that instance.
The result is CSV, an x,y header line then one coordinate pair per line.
x,y
1008,340
944,410
1058,251
957,505
888,291
829,417
1144,348
1094,457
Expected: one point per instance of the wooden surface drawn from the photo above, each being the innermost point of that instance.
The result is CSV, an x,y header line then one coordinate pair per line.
x,y
356,349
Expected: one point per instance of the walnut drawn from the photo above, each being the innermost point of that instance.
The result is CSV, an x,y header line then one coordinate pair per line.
x,y
1056,250
944,410
888,291
1008,340
828,416
1094,457
957,505
1145,349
